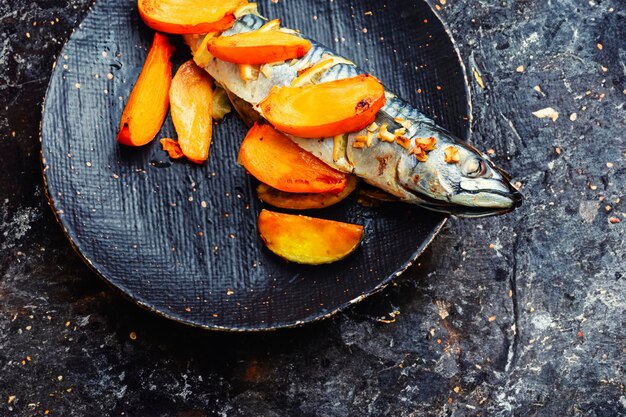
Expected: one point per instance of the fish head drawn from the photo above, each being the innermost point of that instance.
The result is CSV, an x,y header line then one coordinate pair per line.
x,y
468,185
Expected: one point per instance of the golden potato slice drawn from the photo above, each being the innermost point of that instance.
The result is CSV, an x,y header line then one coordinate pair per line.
x,y
308,240
191,99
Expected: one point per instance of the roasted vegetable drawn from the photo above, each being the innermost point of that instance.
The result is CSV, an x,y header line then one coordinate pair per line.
x,y
189,16
308,240
147,105
258,47
275,160
191,98
326,109
294,201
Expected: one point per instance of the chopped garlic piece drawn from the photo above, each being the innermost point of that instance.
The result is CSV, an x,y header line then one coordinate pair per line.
x,y
266,70
419,153
399,132
367,139
248,72
373,127
427,144
403,141
339,147
406,124
385,135
451,155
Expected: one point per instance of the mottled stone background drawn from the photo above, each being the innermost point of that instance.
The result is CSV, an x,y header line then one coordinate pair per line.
x,y
516,315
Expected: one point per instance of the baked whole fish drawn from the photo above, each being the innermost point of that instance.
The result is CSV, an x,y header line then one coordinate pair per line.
x,y
453,178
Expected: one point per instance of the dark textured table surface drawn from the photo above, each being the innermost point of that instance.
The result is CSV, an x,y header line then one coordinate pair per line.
x,y
516,315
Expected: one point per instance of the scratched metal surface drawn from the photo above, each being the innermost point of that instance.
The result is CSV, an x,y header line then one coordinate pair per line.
x,y
181,239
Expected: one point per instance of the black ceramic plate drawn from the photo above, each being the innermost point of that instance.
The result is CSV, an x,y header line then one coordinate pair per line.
x,y
181,239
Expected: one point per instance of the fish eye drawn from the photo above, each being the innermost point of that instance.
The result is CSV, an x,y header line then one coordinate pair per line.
x,y
474,168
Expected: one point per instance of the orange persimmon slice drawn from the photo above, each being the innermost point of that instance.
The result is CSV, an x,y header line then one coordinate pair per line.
x,y
191,98
189,16
258,47
148,102
276,160
172,148
308,240
326,109
306,201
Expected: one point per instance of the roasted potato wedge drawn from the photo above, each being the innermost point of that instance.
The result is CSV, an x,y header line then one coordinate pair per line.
x,y
191,99
294,201
276,160
326,109
147,104
308,240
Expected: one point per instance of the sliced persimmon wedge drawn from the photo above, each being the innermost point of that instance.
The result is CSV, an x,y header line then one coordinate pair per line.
x,y
189,16
276,160
293,201
326,109
258,47
191,98
147,104
308,240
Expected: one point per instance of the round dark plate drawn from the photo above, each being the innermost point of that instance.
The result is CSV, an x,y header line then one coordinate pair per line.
x,y
181,239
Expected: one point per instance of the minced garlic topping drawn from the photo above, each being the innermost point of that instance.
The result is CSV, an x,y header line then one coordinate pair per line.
x,y
451,155
385,135
427,144
419,153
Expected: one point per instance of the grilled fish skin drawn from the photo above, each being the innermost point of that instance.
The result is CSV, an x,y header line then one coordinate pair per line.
x,y
472,187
